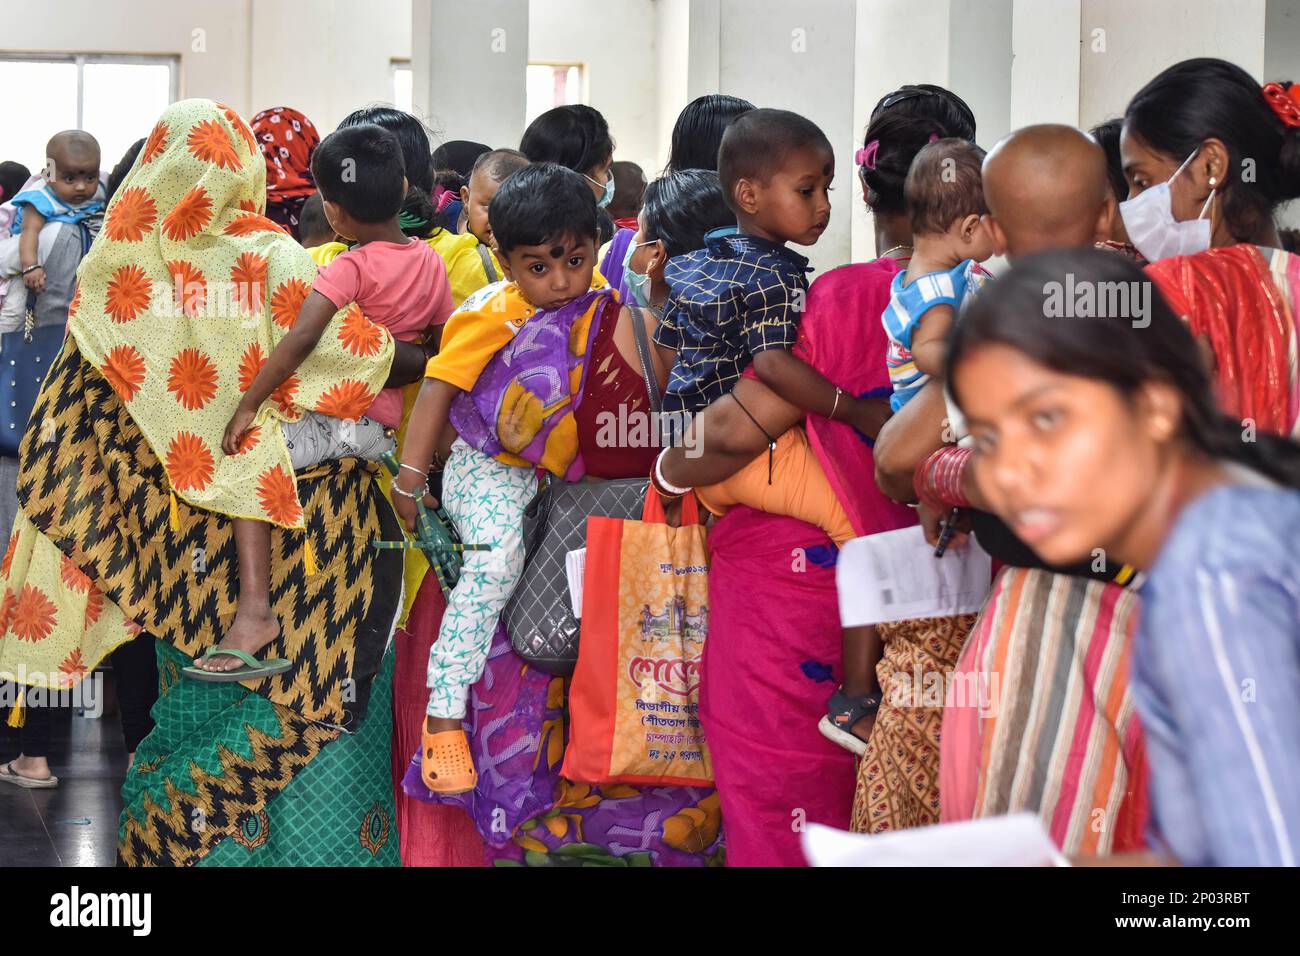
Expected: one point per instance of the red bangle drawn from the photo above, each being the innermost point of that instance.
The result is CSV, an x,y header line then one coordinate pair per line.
x,y
938,479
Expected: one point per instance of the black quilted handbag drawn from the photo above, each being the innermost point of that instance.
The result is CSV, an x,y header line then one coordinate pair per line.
x,y
539,619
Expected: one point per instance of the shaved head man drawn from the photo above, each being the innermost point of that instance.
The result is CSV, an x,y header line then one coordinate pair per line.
x,y
1047,188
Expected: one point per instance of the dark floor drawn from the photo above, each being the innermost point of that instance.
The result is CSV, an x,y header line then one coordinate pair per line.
x,y
75,824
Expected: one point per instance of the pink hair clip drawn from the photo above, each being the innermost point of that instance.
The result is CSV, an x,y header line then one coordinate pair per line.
x,y
934,137
866,156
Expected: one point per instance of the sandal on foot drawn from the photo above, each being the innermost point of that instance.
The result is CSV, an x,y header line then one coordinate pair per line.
x,y
842,713
446,765
252,668
9,775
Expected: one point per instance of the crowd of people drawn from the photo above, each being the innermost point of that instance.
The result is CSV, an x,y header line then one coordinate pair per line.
x,y
257,316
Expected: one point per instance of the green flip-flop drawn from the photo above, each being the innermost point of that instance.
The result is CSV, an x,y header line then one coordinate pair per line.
x,y
253,669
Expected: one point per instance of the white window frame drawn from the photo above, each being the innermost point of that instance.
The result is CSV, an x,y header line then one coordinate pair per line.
x,y
393,66
171,61
583,93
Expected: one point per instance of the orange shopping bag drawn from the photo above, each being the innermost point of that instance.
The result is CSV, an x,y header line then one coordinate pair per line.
x,y
634,700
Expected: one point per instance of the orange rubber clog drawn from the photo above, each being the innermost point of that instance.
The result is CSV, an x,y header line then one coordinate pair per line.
x,y
446,765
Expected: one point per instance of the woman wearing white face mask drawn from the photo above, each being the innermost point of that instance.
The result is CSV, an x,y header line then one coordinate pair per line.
x,y
577,137
1209,154
678,209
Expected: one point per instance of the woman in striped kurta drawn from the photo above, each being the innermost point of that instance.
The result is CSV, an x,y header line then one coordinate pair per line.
x,y
1103,433
1055,730
1069,746
1065,742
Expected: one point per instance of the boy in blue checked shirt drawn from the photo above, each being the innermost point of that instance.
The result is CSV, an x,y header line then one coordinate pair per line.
x,y
736,303
737,300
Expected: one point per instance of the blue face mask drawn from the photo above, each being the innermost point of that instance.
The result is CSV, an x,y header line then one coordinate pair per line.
x,y
608,186
638,284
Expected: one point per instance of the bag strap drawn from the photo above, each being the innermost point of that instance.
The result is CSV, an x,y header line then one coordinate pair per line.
x,y
489,269
642,338
652,512
29,316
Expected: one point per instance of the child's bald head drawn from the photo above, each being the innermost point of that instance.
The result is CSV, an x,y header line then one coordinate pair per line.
x,y
73,147
72,165
1047,188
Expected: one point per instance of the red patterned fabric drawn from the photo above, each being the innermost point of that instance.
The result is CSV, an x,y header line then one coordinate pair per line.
x,y
287,140
430,834
614,389
1229,297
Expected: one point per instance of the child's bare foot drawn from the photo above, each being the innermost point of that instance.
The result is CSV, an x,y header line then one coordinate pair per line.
x,y
251,632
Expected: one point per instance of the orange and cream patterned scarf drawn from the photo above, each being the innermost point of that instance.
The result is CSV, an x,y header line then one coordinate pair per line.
x,y
183,296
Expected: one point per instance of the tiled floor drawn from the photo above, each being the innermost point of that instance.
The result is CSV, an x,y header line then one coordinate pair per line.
x,y
74,824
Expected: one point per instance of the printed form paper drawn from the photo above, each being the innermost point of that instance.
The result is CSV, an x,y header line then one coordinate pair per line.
x,y
1015,840
575,566
894,576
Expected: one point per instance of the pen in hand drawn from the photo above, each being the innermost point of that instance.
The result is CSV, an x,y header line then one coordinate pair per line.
x,y
947,528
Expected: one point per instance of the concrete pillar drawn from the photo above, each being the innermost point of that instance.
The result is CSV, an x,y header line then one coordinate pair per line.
x,y
1045,64
980,43
789,56
1282,40
672,66
468,64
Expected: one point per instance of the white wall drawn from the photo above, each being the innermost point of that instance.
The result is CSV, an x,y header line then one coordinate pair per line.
x,y
1045,62
616,44
1141,39
1282,62
1282,40
979,63
250,54
310,54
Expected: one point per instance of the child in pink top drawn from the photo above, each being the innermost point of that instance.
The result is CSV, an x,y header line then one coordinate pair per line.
x,y
400,284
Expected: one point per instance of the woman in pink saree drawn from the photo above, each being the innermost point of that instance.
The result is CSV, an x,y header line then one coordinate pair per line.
x,y
773,655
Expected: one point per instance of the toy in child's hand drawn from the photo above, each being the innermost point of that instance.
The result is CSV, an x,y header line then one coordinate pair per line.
x,y
435,535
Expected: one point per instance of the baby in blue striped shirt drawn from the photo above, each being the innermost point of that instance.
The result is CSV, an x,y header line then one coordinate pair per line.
x,y
945,201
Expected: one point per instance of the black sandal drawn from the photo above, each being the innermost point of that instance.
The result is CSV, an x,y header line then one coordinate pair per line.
x,y
842,713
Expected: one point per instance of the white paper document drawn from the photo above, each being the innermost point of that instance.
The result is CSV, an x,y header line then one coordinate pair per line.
x,y
894,576
575,567
1015,840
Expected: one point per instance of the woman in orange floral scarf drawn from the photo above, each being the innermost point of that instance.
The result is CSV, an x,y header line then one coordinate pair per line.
x,y
125,499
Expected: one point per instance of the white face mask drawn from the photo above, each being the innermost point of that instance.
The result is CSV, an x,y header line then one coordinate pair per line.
x,y
607,185
1151,226
638,283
